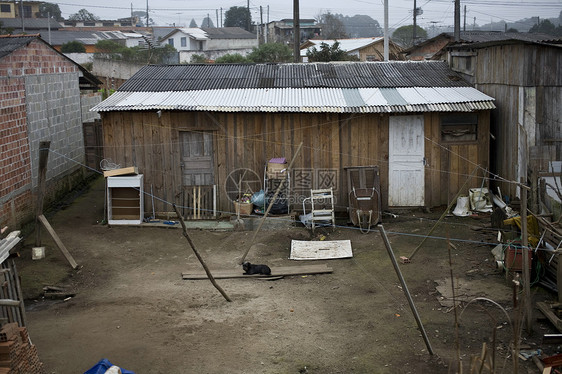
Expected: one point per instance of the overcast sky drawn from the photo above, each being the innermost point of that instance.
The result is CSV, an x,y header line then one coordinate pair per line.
x,y
438,13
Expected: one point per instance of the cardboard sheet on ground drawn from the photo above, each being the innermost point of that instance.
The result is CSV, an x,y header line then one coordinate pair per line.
x,y
320,250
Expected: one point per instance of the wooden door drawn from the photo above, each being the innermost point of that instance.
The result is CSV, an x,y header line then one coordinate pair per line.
x,y
197,160
406,161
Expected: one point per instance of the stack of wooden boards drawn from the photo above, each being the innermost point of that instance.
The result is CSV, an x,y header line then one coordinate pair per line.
x,y
17,354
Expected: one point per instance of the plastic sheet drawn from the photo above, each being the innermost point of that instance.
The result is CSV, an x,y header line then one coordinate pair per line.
x,y
103,366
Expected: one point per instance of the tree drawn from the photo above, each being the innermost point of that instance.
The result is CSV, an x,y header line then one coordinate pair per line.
x,y
73,47
142,17
403,35
108,46
545,27
198,59
361,26
238,16
332,26
83,15
207,22
271,52
329,53
232,59
193,24
49,9
115,51
4,31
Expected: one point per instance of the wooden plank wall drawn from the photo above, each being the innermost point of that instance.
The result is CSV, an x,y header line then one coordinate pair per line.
x,y
247,140
529,65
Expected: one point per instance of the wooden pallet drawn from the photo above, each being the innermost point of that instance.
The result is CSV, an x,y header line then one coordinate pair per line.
x,y
275,272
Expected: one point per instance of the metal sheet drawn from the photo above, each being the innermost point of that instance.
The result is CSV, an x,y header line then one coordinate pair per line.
x,y
365,100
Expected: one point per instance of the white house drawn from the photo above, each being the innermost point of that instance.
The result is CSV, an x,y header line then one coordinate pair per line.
x,y
210,42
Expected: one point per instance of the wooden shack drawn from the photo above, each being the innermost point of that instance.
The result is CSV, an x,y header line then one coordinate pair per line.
x,y
195,129
525,78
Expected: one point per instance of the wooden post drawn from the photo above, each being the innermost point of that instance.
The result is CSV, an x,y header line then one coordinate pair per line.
x,y
525,254
209,275
41,178
271,202
405,289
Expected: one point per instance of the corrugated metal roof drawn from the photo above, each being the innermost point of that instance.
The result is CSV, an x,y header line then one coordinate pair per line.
x,y
347,45
154,78
340,100
9,43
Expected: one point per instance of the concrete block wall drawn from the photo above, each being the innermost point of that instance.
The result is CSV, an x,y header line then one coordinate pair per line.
x,y
39,100
54,114
87,102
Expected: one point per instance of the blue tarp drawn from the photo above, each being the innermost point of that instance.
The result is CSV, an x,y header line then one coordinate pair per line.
x,y
102,366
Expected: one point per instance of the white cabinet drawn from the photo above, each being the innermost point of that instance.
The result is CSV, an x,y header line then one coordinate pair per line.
x,y
125,203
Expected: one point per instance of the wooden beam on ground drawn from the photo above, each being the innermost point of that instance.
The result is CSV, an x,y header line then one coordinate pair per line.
x,y
548,313
275,272
58,242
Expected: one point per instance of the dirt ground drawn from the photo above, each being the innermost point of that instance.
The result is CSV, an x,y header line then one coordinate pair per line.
x,y
133,307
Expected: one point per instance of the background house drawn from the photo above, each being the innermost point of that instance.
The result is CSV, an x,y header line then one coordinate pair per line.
x,y
211,42
365,49
188,125
436,47
43,96
525,77
282,31
13,9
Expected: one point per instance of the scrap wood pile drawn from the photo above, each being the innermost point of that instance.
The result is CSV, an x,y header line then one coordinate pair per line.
x,y
17,354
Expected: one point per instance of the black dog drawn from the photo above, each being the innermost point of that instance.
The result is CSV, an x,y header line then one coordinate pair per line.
x,y
255,269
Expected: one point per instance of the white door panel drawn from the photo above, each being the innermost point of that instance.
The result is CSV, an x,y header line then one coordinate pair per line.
x,y
406,161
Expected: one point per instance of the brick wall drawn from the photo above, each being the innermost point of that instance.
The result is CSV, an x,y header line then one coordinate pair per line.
x,y
36,58
15,171
39,100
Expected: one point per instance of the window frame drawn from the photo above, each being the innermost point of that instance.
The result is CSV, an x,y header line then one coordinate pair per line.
x,y
459,121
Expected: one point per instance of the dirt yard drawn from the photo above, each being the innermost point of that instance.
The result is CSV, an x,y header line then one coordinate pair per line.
x,y
133,307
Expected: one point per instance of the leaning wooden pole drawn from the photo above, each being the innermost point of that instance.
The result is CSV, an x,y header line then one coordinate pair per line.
x,y
283,181
41,178
209,275
405,289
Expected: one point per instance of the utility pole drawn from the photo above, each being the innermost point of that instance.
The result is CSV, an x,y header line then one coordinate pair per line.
x,y
146,13
217,13
221,17
414,32
296,32
474,25
464,24
261,24
249,17
385,30
21,11
267,27
457,20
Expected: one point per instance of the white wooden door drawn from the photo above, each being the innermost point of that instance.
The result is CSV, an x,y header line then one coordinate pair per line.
x,y
406,161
